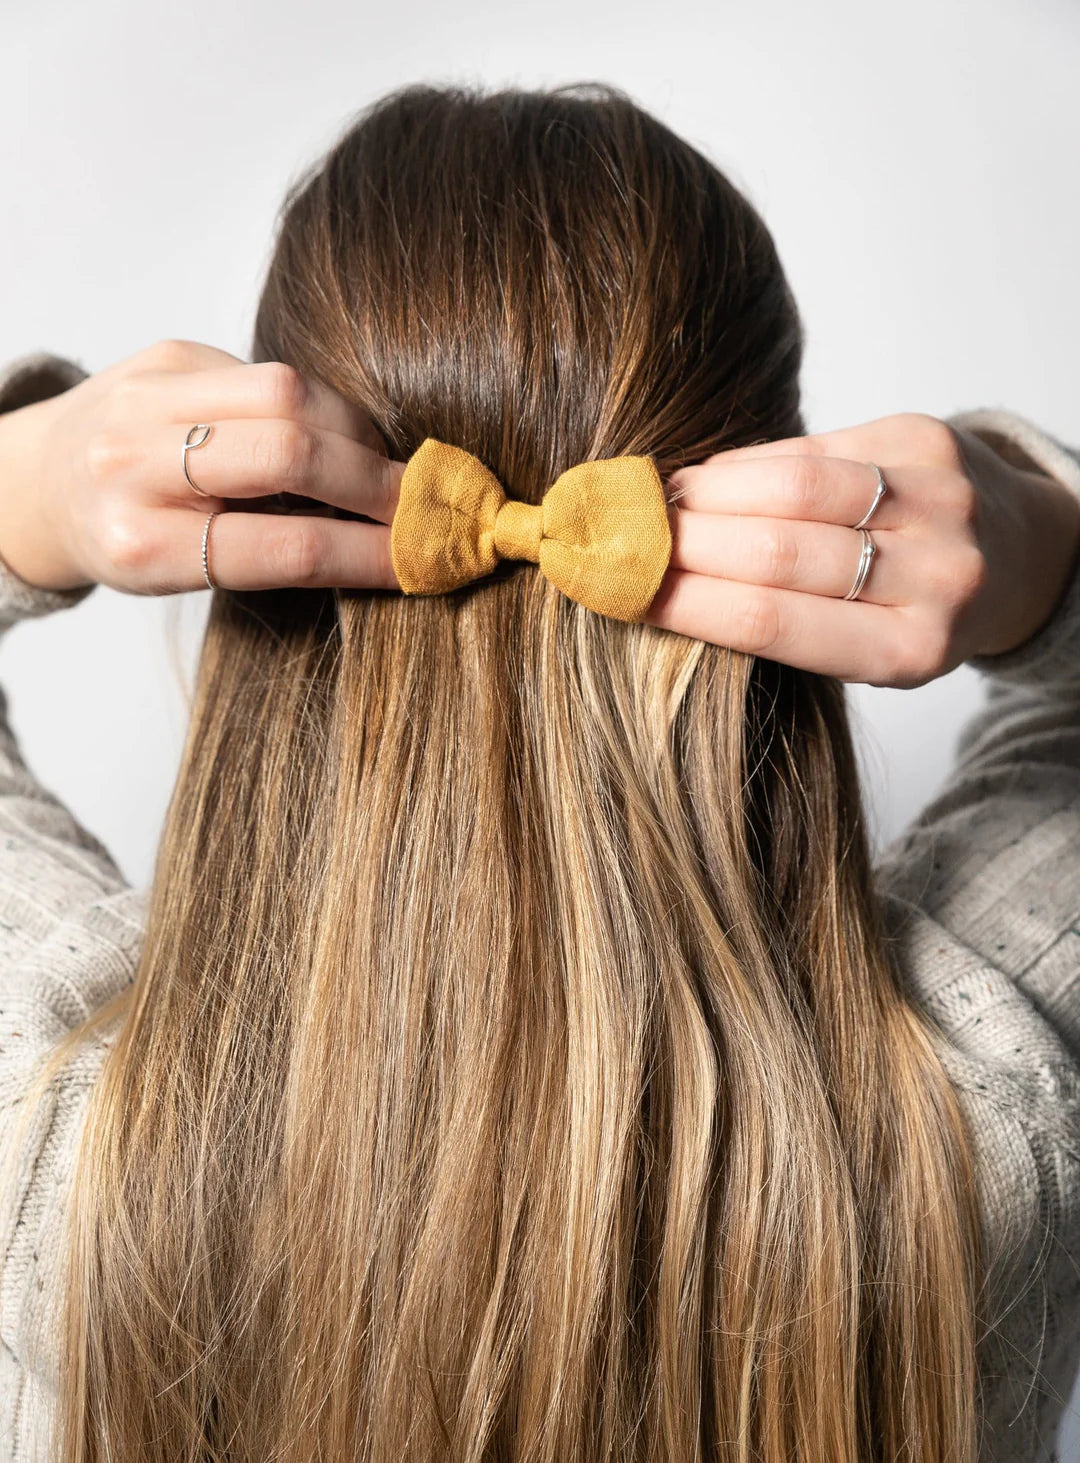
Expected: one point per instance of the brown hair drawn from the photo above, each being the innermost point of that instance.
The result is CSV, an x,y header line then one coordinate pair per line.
x,y
515,1069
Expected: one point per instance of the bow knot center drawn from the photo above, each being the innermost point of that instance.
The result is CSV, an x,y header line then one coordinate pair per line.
x,y
519,527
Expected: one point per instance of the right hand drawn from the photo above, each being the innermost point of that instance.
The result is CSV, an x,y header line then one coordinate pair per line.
x,y
973,552
94,489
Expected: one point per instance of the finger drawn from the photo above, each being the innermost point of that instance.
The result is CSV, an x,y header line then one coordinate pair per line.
x,y
899,438
264,389
254,459
814,558
247,551
250,551
824,489
848,639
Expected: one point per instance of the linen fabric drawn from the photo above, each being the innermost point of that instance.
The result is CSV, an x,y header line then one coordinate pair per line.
x,y
600,533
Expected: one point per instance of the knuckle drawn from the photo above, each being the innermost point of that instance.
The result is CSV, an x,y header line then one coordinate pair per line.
x,y
804,485
804,476
126,541
900,668
284,387
171,354
934,439
925,653
757,627
779,555
905,671
301,552
108,453
286,455
130,387
882,669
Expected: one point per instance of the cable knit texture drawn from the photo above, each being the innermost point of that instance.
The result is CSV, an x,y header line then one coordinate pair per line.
x,y
982,896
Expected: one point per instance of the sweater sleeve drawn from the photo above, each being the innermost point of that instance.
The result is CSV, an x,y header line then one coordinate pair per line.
x,y
981,896
45,853
71,931
991,865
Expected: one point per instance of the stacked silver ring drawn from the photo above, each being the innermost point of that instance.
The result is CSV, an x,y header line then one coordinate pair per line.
x,y
189,442
869,547
206,428
205,551
866,558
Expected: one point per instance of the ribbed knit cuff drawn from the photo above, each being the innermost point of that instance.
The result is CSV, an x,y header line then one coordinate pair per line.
x,y
1050,657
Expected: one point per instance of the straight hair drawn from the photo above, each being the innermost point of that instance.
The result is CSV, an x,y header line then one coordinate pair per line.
x,y
515,1068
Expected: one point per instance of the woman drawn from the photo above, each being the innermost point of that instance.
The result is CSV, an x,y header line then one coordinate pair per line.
x,y
517,1056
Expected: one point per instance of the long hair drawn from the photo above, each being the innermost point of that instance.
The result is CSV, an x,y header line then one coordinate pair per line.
x,y
515,1069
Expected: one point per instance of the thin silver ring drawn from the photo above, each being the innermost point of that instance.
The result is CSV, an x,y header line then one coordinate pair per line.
x,y
206,429
866,558
206,547
878,495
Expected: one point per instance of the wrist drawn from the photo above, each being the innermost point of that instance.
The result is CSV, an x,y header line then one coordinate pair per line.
x,y
28,544
1050,525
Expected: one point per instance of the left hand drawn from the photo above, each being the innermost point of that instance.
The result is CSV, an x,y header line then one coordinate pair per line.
x,y
974,552
92,487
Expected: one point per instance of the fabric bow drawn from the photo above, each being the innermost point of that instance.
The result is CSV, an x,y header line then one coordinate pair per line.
x,y
600,534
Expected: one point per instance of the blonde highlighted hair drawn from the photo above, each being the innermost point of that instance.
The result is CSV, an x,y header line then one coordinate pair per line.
x,y
514,1068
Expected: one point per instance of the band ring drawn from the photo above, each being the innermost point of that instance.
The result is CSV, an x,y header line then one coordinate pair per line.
x,y
878,495
206,428
866,558
206,549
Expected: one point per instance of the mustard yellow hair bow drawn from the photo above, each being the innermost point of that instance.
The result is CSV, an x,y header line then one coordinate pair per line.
x,y
601,533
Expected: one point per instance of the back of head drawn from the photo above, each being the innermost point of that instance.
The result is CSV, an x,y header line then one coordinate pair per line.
x,y
514,1070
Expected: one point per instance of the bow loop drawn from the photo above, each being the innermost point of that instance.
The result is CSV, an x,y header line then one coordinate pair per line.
x,y
601,533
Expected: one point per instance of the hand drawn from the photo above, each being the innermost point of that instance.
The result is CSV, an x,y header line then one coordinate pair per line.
x,y
92,489
973,553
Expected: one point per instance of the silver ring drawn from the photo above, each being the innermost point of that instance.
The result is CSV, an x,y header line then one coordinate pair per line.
x,y
878,495
206,429
866,558
205,549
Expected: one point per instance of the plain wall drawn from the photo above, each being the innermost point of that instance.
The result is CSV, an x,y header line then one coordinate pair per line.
x,y
917,165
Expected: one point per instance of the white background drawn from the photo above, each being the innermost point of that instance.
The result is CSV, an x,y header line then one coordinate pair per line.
x,y
916,163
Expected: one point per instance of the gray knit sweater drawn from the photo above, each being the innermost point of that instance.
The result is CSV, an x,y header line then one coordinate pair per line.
x,y
982,895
